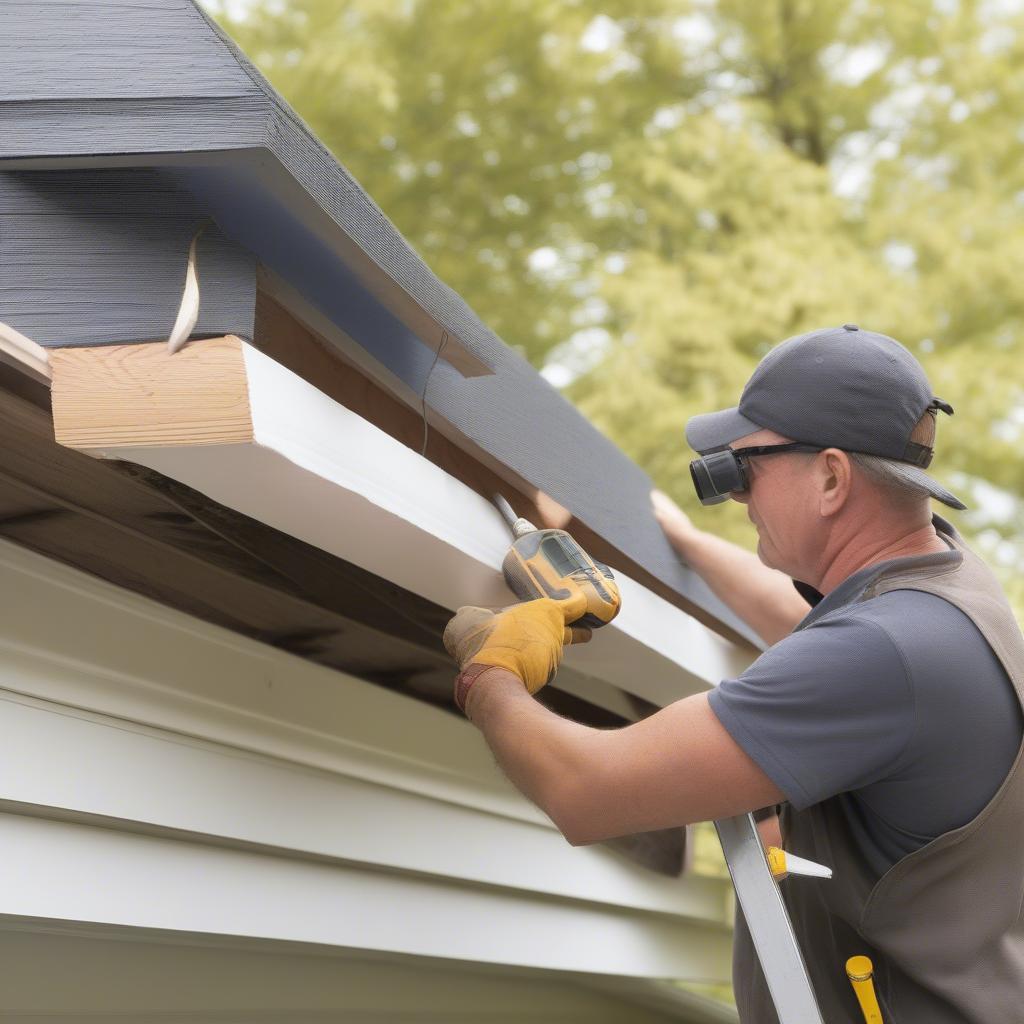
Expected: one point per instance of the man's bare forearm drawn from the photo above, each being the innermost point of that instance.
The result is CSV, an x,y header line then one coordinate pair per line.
x,y
763,598
673,768
542,754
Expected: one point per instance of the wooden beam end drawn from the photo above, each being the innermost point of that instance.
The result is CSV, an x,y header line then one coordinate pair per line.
x,y
126,396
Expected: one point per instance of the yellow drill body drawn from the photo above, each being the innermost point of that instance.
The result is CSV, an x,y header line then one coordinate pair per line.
x,y
549,563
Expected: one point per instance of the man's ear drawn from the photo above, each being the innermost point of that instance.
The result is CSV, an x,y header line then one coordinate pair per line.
x,y
835,478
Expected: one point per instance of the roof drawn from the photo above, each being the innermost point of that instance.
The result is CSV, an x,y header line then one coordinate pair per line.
x,y
196,116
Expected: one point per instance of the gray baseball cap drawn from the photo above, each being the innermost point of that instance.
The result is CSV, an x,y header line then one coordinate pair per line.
x,y
838,387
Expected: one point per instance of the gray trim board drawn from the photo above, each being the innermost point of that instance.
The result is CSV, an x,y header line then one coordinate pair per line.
x,y
172,92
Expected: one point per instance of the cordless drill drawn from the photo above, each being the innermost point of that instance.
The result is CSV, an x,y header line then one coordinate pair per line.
x,y
549,563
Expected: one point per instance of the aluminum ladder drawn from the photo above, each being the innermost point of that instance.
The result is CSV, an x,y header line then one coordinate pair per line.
x,y
768,922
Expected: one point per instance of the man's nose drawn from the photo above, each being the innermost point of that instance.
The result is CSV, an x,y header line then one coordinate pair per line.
x,y
741,496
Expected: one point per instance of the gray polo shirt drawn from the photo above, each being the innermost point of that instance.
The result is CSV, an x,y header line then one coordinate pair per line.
x,y
896,705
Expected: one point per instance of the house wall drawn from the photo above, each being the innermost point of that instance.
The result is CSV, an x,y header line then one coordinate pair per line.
x,y
174,796
96,257
119,977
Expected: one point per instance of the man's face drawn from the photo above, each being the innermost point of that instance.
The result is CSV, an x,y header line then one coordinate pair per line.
x,y
781,504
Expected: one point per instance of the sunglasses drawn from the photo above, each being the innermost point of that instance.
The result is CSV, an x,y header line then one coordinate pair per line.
x,y
717,474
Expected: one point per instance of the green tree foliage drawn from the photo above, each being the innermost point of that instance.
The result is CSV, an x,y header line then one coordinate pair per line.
x,y
731,262
482,130
645,197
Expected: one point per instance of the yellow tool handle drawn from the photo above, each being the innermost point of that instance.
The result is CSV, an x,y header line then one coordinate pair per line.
x,y
859,970
782,863
776,861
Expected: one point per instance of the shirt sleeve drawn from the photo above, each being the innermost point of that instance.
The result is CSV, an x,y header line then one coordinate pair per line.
x,y
826,710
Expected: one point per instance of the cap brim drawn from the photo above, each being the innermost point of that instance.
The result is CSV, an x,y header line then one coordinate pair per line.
x,y
716,429
918,477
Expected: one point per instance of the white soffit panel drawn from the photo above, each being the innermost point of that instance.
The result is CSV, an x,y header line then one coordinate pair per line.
x,y
318,471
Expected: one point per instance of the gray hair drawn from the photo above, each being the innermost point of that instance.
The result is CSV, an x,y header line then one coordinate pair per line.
x,y
890,476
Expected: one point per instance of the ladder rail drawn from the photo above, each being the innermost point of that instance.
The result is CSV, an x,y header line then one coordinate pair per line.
x,y
768,922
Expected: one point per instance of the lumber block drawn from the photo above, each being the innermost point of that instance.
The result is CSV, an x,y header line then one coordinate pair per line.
x,y
128,396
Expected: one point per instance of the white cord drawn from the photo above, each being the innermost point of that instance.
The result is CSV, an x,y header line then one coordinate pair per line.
x,y
188,311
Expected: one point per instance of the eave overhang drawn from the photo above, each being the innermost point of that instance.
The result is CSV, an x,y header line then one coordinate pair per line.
x,y
221,144
230,422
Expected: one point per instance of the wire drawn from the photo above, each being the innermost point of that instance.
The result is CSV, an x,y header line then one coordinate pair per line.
x,y
505,509
188,311
423,397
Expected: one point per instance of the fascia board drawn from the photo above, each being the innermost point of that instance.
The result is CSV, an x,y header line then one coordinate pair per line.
x,y
473,535
320,472
385,326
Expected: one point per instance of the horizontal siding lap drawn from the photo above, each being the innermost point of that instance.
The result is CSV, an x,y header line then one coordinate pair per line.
x,y
93,193
139,715
99,875
108,770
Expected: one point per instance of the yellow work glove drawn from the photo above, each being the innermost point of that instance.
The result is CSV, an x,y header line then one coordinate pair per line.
x,y
527,639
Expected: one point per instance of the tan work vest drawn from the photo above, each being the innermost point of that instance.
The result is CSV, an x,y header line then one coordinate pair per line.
x,y
944,925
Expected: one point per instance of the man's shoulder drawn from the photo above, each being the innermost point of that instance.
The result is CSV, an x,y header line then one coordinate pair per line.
x,y
827,709
922,637
850,648
902,615
851,626
868,644
916,620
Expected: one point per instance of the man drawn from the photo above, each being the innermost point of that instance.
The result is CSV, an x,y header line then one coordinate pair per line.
x,y
886,717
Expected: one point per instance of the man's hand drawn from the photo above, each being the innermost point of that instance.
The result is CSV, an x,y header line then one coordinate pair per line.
x,y
675,767
762,597
675,523
527,639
